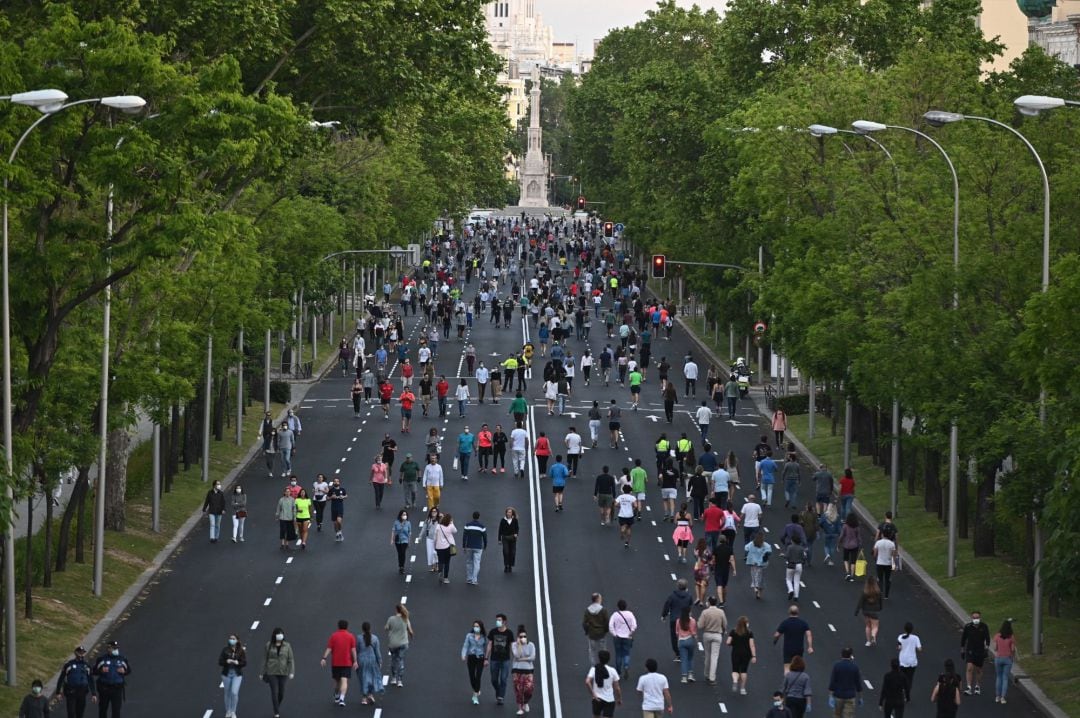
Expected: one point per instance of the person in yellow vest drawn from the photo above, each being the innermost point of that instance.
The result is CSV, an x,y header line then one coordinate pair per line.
x,y
663,447
614,284
509,371
527,353
684,449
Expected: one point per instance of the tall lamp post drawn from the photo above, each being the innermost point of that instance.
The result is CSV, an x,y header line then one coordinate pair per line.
x,y
1028,104
866,127
46,102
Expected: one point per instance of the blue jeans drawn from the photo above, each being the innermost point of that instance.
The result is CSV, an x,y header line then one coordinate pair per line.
x,y
397,663
1003,668
791,492
286,460
687,646
463,460
704,429
215,526
500,675
232,691
461,407
830,547
560,403
845,505
622,653
732,402
472,564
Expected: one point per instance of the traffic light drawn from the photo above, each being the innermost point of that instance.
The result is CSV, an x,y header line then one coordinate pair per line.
x,y
659,266
581,203
609,229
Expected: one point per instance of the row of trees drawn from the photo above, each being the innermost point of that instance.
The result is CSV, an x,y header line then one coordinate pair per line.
x,y
226,198
692,127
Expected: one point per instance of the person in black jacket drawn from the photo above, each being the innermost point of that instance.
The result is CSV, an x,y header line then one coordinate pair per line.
x,y
214,507
679,599
76,683
508,535
232,660
893,691
35,704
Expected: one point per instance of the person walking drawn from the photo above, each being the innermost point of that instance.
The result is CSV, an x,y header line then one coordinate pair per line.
x,y
885,554
341,650
974,645
894,692
407,399
766,479
731,395
462,396
870,605
690,373
909,647
602,682
792,476
823,487
400,533
500,639
779,707
847,493
779,426
35,704
485,445
794,556
286,442
357,396
499,440
831,527
655,692
320,489
519,445
1004,646
604,494
214,508
679,599
851,543
380,477
946,693
713,626
508,536
111,671
796,634
398,634
474,541
278,666
574,450
845,686
433,481
559,474
368,665
409,478
75,684
751,518
473,655
523,653
796,689
232,660
269,445
683,535
286,516
743,653
445,544
757,555
238,506
622,625
466,440
595,626
626,508
427,533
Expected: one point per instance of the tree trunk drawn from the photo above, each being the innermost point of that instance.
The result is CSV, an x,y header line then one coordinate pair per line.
x,y
28,563
932,481
46,558
80,523
63,541
909,462
984,513
185,449
119,450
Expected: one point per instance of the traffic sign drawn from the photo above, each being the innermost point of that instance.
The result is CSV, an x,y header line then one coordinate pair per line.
x,y
760,327
619,227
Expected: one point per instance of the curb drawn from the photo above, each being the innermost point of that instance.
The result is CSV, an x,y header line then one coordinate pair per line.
x,y
943,597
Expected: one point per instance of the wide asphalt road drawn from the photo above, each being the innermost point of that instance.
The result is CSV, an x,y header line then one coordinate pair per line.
x,y
175,632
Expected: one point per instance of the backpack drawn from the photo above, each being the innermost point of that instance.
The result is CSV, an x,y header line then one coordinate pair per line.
x,y
888,530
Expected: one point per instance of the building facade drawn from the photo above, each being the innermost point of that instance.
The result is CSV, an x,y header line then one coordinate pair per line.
x,y
1050,24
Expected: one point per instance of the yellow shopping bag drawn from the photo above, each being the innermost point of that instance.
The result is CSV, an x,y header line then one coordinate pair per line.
x,y
860,565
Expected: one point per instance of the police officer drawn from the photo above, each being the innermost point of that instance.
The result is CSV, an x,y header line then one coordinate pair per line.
x,y
111,671
76,682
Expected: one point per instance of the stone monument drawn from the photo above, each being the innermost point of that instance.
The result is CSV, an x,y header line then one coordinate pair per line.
x,y
534,171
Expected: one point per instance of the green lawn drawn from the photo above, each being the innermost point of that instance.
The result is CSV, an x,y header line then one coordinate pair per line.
x,y
65,613
994,585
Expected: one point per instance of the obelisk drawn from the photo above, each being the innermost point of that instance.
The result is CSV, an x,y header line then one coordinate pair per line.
x,y
534,171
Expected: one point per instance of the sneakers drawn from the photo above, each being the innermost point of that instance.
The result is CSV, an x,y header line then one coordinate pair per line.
x,y
690,677
967,691
868,644
339,536
978,690
742,691
683,679
475,700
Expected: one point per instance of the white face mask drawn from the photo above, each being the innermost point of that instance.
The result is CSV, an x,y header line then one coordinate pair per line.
x,y
279,637
975,621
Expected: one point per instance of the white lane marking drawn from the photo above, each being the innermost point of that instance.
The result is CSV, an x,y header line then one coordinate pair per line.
x,y
378,713
385,680
404,600
700,647
412,559
337,471
775,544
723,708
666,557
659,540
343,459
674,577
278,580
408,578
832,628
210,711
816,604
347,451
647,507
869,686
354,438
766,531
289,559
653,523
267,601
802,585
254,626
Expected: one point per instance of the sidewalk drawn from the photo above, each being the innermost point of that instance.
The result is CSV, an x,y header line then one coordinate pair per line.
x,y
1020,677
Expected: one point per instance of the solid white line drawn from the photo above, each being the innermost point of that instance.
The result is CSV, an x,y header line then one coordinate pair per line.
x,y
546,629
254,626
267,601
832,628
385,680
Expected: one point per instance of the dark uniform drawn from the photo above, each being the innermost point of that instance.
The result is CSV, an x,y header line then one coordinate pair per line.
x,y
111,671
76,683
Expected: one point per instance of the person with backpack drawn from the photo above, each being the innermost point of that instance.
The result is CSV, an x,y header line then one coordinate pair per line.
x,y
76,683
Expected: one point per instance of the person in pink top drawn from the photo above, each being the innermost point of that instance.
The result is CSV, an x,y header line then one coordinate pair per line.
x,y
1004,646
779,426
686,636
380,477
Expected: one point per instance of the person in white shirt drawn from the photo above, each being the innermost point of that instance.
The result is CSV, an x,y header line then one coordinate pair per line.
x,y
909,646
751,515
884,559
655,692
433,481
626,507
586,365
519,445
690,371
462,396
703,416
483,374
622,624
603,683
573,450
423,355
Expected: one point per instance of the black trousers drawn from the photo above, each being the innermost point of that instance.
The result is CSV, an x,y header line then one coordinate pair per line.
x,y
75,702
475,664
110,697
277,690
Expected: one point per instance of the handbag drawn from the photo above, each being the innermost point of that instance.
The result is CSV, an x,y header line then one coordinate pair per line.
x,y
453,546
860,565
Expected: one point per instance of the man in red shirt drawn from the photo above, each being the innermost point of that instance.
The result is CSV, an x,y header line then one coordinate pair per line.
x,y
407,400
406,374
441,390
341,648
714,523
386,393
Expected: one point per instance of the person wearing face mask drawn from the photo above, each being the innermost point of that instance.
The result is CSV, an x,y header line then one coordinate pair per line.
x,y
278,666
111,671
269,437
319,491
286,442
473,652
779,710
238,504
400,534
214,508
498,656
508,535
35,704
293,422
286,515
524,654
232,660
76,682
974,645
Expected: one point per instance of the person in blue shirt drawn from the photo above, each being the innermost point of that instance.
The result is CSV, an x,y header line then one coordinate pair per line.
x,y
380,358
766,476
465,443
111,671
558,473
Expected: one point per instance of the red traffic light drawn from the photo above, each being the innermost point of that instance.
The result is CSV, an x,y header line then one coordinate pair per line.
x,y
609,229
581,203
659,266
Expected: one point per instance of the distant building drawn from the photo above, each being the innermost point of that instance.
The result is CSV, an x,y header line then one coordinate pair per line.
x,y
1018,24
564,53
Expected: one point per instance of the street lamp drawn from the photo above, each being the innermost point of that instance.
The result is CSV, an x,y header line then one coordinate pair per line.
x,y
49,105
1033,105
44,101
866,127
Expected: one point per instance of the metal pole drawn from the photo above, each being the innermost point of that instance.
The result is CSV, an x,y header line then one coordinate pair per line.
x,y
300,329
314,335
731,340
155,500
894,459
812,409
847,433
103,418
761,275
240,390
206,408
950,565
266,374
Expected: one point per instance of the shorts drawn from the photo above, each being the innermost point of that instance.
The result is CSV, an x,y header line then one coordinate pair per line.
x,y
614,425
337,511
406,413
640,496
682,543
721,576
669,493
636,389
303,521
975,659
823,498
626,521
557,489
384,402
851,554
337,672
788,657
603,708
604,501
